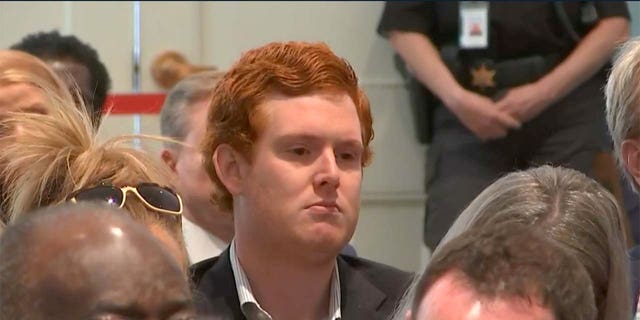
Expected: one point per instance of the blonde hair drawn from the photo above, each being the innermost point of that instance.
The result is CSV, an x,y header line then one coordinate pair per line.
x,y
21,67
575,212
47,157
18,67
623,99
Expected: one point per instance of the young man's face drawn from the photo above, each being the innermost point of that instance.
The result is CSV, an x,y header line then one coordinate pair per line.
x,y
450,299
302,187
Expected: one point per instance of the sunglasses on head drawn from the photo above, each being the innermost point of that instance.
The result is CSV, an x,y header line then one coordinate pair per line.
x,y
155,197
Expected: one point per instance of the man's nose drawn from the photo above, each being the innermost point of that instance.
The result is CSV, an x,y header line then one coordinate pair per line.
x,y
328,173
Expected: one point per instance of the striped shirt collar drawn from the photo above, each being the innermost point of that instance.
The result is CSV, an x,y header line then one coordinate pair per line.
x,y
250,306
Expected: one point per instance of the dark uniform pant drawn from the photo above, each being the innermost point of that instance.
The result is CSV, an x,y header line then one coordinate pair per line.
x,y
459,165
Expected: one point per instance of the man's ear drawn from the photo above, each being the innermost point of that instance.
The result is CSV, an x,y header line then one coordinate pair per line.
x,y
630,150
229,166
170,158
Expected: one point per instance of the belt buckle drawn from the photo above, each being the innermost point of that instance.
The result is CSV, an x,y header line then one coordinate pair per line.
x,y
483,73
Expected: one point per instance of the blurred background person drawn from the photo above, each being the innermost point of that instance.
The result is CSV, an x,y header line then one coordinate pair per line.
x,y
88,262
512,85
575,212
54,158
504,271
207,229
76,62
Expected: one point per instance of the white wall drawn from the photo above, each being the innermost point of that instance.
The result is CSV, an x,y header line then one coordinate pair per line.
x,y
634,9
390,227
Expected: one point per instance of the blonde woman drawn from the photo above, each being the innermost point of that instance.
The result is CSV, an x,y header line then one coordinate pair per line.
x,y
22,81
55,157
22,77
573,211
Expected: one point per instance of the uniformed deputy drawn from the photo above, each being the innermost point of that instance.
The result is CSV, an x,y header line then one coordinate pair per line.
x,y
518,84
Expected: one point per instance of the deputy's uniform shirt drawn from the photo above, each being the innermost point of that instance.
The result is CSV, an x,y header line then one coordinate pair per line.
x,y
568,133
514,30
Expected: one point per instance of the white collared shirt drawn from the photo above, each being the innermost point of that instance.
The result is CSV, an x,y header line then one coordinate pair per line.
x,y
250,306
200,243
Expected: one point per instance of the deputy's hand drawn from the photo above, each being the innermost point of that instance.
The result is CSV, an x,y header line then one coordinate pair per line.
x,y
524,102
481,115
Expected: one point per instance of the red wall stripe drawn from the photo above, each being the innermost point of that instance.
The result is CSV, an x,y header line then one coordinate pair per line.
x,y
134,103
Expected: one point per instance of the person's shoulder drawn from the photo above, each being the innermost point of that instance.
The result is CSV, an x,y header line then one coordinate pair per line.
x,y
366,265
215,292
199,269
381,275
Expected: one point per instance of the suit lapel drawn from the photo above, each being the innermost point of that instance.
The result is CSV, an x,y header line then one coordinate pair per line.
x,y
218,288
217,294
360,298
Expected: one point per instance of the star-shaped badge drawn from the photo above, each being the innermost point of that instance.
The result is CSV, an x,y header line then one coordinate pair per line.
x,y
482,77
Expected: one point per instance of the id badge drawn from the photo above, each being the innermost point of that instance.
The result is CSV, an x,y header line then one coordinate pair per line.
x,y
474,25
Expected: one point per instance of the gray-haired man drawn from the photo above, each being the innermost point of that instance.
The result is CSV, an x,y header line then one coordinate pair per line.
x,y
623,117
207,229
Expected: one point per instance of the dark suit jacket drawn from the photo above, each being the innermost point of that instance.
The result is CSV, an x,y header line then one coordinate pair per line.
x,y
634,259
368,290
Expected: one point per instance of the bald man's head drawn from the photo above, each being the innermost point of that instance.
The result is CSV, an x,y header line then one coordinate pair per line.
x,y
87,261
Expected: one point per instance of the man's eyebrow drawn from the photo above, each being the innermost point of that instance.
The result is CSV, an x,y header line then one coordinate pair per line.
x,y
133,309
171,306
298,136
352,143
311,137
124,308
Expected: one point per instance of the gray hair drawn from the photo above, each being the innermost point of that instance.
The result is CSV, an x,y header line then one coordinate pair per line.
x,y
58,153
575,212
177,105
514,261
623,98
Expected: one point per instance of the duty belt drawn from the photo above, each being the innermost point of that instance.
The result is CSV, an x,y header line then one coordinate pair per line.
x,y
486,76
